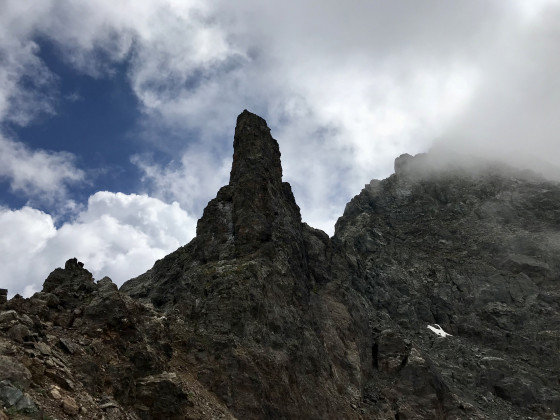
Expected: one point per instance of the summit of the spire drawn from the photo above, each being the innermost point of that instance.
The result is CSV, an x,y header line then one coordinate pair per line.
x,y
256,155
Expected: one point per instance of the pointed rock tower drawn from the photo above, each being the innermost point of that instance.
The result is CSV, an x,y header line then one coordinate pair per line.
x,y
256,209
253,221
244,288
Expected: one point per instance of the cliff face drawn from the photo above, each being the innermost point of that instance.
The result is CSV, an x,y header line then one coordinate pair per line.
x,y
262,316
477,253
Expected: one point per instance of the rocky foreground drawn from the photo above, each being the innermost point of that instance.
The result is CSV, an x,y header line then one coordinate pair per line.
x,y
261,316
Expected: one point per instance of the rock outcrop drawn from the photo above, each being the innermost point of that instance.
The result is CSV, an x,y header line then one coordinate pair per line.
x,y
262,316
247,290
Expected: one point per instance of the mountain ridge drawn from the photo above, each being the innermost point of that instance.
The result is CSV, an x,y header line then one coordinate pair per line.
x,y
263,316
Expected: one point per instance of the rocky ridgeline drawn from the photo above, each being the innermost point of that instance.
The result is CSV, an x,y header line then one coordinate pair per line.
x,y
261,316
81,349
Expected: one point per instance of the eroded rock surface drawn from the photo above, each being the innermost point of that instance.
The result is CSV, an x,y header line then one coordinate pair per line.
x,y
92,352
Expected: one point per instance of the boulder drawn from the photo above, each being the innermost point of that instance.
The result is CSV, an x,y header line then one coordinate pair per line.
x,y
69,406
13,371
15,399
163,396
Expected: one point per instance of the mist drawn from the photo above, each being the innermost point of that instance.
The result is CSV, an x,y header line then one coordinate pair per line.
x,y
512,115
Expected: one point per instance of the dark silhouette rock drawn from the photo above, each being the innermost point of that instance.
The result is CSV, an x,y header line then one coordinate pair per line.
x,y
244,286
69,284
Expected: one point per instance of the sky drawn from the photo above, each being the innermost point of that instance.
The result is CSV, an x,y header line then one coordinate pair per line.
x,y
117,118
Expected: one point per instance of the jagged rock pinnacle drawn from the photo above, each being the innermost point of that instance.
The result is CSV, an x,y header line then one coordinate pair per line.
x,y
256,155
256,206
261,202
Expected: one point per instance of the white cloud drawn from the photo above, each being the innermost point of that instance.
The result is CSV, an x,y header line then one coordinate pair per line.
x,y
513,112
21,102
27,91
166,225
25,233
26,84
350,93
193,180
372,70
171,46
37,173
346,87
118,235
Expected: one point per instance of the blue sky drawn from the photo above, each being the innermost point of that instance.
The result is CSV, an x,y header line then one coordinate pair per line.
x,y
117,119
95,120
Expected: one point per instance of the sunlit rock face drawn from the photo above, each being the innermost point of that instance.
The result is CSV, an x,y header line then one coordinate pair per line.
x,y
436,298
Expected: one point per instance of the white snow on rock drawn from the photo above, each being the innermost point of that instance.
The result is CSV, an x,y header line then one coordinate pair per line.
x,y
438,330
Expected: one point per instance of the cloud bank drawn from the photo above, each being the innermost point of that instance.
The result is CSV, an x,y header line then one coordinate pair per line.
x,y
37,174
118,235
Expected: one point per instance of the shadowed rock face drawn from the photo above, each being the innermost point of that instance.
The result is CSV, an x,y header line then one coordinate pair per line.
x,y
245,284
478,253
262,316
256,208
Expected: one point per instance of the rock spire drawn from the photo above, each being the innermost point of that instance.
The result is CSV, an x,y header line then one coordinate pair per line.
x,y
256,155
256,206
